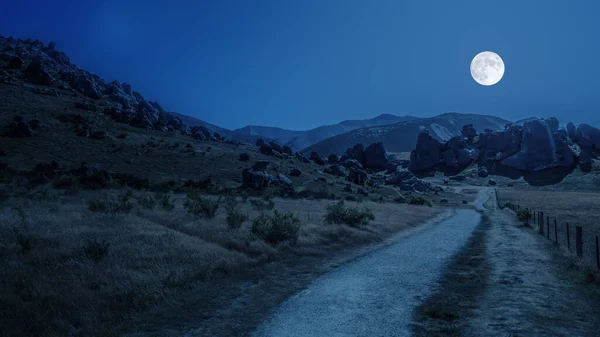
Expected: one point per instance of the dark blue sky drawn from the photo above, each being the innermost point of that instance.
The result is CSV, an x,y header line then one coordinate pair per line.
x,y
298,64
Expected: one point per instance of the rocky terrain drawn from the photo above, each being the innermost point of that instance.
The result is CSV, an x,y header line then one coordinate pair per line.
x,y
400,137
539,146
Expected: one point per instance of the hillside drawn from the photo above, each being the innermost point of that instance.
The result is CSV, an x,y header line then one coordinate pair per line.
x,y
401,137
298,140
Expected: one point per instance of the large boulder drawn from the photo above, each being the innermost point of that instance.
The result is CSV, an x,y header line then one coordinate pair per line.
x,y
352,163
302,157
469,132
254,179
571,131
588,137
314,156
541,148
87,85
426,154
37,72
357,176
333,159
375,157
498,145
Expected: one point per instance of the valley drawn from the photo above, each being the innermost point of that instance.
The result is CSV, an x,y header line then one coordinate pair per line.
x,y
120,218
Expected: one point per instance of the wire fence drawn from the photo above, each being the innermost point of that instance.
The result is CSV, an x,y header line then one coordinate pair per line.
x,y
570,236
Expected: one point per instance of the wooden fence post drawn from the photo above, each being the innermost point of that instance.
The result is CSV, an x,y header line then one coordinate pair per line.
x,y
568,238
578,241
541,223
555,232
597,253
548,226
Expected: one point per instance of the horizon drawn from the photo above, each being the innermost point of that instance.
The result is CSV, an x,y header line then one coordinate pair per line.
x,y
301,66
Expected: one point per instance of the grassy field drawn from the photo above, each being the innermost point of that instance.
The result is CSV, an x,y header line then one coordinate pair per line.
x,y
87,265
575,208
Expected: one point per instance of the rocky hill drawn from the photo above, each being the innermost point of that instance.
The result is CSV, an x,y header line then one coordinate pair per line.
x,y
298,140
401,137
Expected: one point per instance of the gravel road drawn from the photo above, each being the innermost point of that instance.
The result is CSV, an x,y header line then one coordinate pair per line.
x,y
375,295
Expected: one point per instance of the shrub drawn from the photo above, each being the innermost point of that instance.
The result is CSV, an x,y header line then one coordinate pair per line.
x,y
523,215
95,250
121,204
261,205
418,201
67,182
164,199
277,227
338,214
235,218
148,201
201,207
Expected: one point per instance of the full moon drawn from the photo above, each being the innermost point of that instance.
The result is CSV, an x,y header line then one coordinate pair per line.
x,y
487,68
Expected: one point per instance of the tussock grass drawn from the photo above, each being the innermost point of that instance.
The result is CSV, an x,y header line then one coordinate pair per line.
x,y
65,269
338,213
277,227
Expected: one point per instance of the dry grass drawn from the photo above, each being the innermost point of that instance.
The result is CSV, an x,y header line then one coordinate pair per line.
x,y
576,208
65,269
446,311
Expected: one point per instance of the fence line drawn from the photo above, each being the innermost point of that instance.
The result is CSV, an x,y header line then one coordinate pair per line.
x,y
541,220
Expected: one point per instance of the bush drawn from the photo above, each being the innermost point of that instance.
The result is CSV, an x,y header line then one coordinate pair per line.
x,y
148,201
121,204
235,218
523,215
418,201
95,250
164,199
338,214
201,207
276,228
261,205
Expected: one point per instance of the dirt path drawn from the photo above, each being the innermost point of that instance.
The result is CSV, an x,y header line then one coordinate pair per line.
x,y
374,295
529,291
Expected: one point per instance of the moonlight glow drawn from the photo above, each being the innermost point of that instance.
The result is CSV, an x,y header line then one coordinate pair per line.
x,y
487,68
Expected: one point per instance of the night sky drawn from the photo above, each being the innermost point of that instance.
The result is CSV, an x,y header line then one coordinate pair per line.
x,y
298,64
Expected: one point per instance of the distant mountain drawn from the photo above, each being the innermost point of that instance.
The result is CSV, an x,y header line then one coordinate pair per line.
x,y
401,137
298,140
192,121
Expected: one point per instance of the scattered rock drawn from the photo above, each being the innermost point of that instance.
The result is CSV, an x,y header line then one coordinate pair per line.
x,y
464,202
19,128
337,170
482,172
458,177
260,165
254,179
357,176
492,182
443,201
294,172
362,191
244,156
333,159
317,158
284,180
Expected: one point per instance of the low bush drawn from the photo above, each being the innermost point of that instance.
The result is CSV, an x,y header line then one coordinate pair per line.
x,y
121,204
277,227
338,213
418,201
523,215
201,207
261,205
235,218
